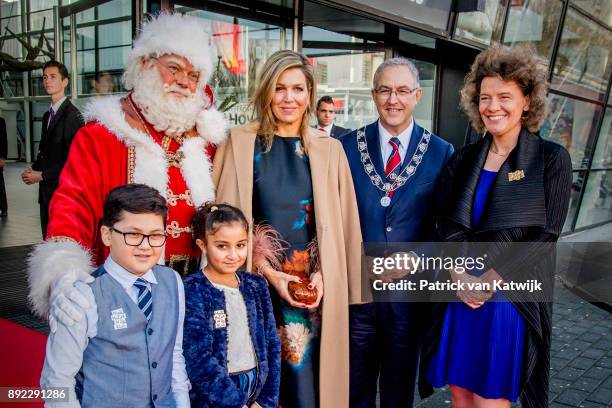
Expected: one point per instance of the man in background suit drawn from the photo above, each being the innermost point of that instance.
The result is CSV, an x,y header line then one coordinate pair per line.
x,y
396,167
60,124
325,118
3,154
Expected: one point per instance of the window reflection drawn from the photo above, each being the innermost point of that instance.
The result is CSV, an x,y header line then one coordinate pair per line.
x,y
584,60
577,184
596,204
102,47
242,46
603,152
533,22
602,9
10,8
36,5
482,26
571,123
347,78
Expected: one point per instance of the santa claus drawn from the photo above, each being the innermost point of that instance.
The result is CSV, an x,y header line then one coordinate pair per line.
x,y
161,134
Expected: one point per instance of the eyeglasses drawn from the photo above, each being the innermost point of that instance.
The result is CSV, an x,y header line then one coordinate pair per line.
x,y
178,73
136,238
401,93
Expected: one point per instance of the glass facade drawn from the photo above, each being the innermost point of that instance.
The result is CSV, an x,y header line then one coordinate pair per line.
x,y
574,37
535,23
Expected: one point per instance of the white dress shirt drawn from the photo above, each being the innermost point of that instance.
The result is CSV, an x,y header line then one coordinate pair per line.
x,y
65,347
55,106
327,128
240,352
385,136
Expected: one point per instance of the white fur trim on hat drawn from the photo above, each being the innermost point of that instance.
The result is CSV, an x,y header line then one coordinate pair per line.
x,y
179,34
47,262
212,126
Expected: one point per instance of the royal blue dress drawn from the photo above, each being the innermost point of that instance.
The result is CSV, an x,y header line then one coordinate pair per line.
x,y
481,349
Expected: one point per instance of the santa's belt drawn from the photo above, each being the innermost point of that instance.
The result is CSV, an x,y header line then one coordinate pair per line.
x,y
183,264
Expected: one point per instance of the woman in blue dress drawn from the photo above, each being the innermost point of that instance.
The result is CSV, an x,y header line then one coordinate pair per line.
x,y
510,186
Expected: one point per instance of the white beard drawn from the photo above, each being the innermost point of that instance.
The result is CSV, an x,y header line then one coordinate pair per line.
x,y
167,113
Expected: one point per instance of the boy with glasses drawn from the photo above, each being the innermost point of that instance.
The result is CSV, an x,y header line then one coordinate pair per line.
x,y
127,351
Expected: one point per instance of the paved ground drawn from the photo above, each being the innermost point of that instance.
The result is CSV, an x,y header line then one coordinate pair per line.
x,y
22,226
581,369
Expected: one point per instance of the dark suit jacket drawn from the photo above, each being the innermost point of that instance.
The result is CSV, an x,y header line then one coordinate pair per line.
x,y
338,131
54,146
531,209
3,140
409,217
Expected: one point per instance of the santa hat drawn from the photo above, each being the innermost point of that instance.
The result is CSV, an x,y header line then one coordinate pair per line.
x,y
169,33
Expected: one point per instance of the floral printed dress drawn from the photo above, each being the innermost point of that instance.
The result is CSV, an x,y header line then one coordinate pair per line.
x,y
283,198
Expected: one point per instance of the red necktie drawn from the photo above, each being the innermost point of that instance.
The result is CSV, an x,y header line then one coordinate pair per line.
x,y
394,161
322,129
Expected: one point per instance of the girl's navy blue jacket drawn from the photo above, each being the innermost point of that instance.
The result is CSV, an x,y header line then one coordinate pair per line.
x,y
205,347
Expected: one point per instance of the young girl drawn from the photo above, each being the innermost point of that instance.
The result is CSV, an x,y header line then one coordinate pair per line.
x,y
231,346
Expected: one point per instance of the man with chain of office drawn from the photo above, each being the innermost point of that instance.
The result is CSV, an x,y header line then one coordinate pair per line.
x,y
162,134
396,167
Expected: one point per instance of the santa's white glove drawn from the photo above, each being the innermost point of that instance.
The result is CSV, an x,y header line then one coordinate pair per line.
x,y
66,301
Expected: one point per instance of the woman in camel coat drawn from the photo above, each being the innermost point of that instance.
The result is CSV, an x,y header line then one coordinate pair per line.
x,y
261,168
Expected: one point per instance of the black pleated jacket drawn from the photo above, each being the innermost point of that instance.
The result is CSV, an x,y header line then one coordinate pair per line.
x,y
532,209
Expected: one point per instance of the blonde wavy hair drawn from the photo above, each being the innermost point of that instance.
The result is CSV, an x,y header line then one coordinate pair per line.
x,y
274,67
519,64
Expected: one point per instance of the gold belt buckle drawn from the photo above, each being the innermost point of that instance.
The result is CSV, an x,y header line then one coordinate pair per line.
x,y
175,259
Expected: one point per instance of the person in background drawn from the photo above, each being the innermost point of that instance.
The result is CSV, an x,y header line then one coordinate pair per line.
x,y
103,83
232,350
325,118
128,350
493,348
3,155
59,126
396,167
280,171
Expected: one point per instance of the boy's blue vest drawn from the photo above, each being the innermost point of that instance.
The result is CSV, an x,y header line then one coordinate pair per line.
x,y
129,362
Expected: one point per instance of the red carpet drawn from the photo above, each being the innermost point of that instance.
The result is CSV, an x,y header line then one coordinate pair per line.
x,y
22,354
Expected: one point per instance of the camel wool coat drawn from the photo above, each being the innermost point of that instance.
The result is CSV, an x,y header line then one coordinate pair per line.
x,y
338,235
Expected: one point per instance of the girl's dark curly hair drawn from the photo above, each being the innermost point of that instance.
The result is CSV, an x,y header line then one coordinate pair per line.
x,y
519,64
209,217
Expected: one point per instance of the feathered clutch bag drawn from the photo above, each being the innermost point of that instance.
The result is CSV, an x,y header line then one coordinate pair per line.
x,y
269,247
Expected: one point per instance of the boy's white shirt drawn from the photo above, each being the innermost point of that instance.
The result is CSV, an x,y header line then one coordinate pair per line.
x,y
65,347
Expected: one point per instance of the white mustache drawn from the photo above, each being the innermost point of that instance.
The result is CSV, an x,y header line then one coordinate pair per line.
x,y
168,88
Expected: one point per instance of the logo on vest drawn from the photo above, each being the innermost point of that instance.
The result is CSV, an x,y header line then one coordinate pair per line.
x,y
220,319
119,319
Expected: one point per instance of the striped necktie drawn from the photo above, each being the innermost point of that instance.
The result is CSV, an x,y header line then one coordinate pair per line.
x,y
393,162
51,116
145,299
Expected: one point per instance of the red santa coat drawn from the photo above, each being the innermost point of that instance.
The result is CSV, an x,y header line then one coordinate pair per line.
x,y
105,153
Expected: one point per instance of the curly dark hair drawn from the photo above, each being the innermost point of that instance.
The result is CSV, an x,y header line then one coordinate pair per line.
x,y
519,64
209,217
